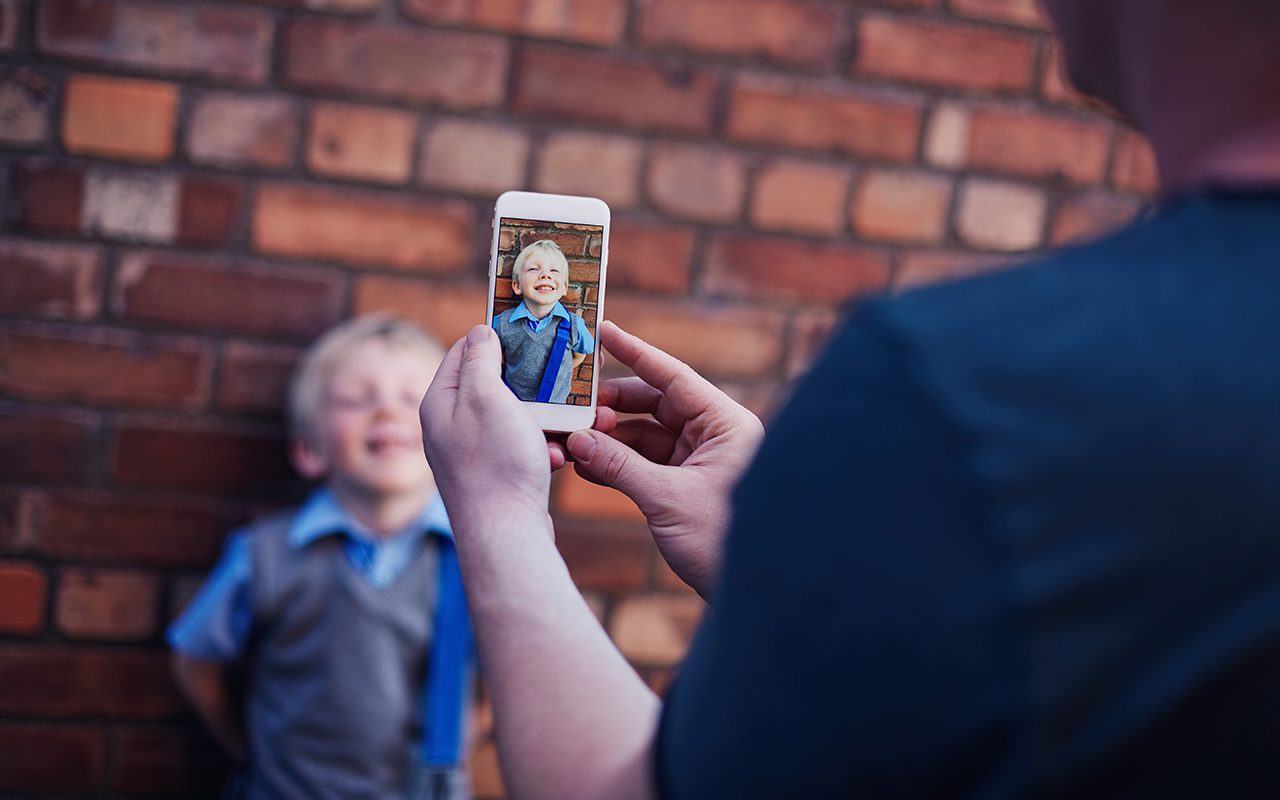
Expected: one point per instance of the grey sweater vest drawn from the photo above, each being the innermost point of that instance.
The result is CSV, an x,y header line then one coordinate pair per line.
x,y
335,675
525,355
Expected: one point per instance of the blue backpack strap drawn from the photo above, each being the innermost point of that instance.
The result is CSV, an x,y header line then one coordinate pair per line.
x,y
552,371
445,693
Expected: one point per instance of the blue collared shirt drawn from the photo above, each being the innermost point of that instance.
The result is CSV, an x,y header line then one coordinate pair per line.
x,y
215,625
586,342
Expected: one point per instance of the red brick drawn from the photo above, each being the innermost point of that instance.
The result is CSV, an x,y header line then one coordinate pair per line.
x,y
254,378
350,7
107,604
589,21
946,141
573,244
361,142
809,333
582,87
696,182
655,630
649,257
1036,145
119,117
776,30
163,761
243,130
455,69
113,368
207,294
591,164
1016,12
577,497
900,206
921,267
717,341
40,447
474,157
1089,215
26,102
800,197
1134,169
447,311
773,113
993,215
604,556
48,198
363,228
43,758
98,527
209,209
39,279
766,268
10,22
132,205
945,55
23,589
201,458
59,683
224,43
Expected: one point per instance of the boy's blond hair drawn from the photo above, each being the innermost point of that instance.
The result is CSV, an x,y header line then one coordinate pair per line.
x,y
546,245
307,389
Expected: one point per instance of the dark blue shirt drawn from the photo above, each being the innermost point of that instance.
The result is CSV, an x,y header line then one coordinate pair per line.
x,y
1017,536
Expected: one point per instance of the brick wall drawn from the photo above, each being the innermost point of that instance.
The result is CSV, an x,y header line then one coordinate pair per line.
x,y
194,190
581,245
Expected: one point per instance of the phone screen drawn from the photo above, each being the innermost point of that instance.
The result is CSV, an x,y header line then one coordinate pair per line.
x,y
546,300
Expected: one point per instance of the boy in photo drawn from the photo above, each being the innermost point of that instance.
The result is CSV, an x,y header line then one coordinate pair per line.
x,y
344,619
542,343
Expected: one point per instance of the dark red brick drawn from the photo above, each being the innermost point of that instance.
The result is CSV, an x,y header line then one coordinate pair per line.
x,y
40,447
255,378
39,279
784,31
600,22
456,69
560,85
48,198
103,528
209,210
208,294
166,761
23,590
44,758
650,257
226,43
608,557
947,55
199,458
772,268
113,368
64,682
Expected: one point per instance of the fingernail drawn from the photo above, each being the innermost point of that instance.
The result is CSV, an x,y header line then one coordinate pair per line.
x,y
582,445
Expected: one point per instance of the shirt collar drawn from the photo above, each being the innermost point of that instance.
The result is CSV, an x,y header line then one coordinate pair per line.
x,y
522,312
323,515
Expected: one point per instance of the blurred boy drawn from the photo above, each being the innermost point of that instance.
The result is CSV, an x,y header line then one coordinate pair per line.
x,y
542,343
345,616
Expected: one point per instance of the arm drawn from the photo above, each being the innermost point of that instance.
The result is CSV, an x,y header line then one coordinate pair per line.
x,y
205,685
573,720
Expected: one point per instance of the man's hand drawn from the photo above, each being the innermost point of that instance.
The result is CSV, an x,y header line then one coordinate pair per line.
x,y
679,463
487,453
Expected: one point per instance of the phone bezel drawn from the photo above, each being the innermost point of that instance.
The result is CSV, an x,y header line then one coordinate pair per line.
x,y
554,417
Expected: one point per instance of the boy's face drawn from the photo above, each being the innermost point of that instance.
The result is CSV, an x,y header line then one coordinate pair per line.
x,y
368,435
541,279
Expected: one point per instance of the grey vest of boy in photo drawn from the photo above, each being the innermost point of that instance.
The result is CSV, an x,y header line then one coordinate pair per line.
x,y
339,690
525,354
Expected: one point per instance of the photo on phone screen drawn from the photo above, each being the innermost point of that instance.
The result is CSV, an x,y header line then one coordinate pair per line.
x,y
545,304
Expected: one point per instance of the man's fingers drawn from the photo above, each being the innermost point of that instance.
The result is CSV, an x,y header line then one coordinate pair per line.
x,y
444,383
603,459
481,363
630,395
654,442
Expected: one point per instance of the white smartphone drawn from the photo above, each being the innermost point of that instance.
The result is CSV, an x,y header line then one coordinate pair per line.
x,y
547,271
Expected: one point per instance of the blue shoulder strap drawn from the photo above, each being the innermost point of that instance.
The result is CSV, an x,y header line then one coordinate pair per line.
x,y
552,371
445,695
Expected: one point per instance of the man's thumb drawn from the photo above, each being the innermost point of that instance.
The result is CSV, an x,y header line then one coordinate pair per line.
x,y
606,460
482,354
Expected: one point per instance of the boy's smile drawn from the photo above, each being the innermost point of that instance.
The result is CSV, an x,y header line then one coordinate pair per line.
x,y
541,282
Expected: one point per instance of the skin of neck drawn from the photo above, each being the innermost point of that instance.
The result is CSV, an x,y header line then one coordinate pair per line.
x,y
539,310
385,514
1202,85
